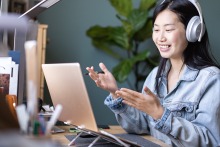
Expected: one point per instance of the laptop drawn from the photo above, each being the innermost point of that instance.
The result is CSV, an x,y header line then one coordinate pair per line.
x,y
66,87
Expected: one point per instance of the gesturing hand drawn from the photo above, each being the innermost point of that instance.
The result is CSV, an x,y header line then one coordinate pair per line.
x,y
105,81
147,102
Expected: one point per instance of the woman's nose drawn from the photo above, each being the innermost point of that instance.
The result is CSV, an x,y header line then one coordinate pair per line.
x,y
161,37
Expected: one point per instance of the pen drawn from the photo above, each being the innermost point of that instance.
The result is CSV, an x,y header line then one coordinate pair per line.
x,y
98,72
54,118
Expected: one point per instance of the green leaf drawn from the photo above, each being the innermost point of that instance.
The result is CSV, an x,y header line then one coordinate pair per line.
x,y
111,35
123,7
141,56
119,36
137,19
145,32
105,47
122,70
147,4
97,32
134,22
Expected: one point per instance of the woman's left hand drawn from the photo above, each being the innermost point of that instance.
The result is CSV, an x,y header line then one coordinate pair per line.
x,y
147,102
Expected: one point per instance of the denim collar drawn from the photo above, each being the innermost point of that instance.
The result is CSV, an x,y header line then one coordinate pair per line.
x,y
188,74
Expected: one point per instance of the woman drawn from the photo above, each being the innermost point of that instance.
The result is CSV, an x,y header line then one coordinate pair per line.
x,y
180,100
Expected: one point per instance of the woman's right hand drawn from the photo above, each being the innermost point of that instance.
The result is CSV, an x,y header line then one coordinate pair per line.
x,y
104,80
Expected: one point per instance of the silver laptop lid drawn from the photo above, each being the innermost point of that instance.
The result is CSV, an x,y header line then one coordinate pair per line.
x,y
66,87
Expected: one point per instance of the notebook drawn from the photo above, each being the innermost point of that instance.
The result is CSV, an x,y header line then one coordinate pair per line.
x,y
66,87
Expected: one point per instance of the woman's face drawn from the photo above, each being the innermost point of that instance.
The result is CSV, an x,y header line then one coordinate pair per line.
x,y
169,35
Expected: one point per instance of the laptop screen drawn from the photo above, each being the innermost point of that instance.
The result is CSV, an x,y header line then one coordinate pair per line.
x,y
66,87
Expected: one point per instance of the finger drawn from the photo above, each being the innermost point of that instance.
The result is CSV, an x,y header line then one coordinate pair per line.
x,y
133,94
92,73
127,94
103,67
124,93
128,103
98,82
147,91
90,69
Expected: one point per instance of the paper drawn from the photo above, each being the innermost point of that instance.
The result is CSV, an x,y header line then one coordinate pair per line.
x,y
47,108
8,75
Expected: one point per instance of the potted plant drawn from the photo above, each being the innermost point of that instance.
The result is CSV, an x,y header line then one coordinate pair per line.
x,y
136,28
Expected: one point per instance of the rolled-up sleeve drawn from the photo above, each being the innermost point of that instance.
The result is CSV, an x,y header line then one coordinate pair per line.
x,y
130,119
115,105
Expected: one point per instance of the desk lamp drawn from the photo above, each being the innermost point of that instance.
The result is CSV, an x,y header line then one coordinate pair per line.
x,y
38,8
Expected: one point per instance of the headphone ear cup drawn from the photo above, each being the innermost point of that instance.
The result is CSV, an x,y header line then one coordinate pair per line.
x,y
193,29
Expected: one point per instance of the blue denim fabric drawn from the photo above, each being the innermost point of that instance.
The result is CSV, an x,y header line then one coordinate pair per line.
x,y
192,109
160,123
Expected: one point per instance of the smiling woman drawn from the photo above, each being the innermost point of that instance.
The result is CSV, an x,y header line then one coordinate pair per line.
x,y
68,41
169,35
176,96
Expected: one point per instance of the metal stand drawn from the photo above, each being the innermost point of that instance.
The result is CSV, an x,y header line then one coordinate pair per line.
x,y
102,135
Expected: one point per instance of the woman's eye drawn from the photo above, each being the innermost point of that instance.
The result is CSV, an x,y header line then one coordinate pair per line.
x,y
169,30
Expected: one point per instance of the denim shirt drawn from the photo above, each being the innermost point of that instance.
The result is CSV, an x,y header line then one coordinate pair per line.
x,y
192,109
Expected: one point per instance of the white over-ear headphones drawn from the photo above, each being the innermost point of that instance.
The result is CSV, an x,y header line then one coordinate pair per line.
x,y
195,28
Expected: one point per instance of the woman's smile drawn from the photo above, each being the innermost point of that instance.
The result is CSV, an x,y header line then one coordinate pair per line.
x,y
164,48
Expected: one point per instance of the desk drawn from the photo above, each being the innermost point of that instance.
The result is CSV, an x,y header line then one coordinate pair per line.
x,y
113,130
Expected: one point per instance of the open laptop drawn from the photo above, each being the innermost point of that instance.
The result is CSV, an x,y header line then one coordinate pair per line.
x,y
66,87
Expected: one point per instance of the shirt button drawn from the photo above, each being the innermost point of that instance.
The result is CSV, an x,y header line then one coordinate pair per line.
x,y
189,109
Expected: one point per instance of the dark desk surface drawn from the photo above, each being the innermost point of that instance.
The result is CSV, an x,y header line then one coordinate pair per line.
x,y
113,130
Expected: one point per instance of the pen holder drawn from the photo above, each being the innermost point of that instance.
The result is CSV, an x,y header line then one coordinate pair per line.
x,y
39,127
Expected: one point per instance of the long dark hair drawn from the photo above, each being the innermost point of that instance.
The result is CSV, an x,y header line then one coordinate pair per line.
x,y
197,55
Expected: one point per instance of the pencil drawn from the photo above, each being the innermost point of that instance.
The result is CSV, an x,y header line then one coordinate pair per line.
x,y
98,72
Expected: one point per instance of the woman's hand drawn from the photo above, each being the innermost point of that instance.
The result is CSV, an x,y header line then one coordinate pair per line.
x,y
147,102
104,80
